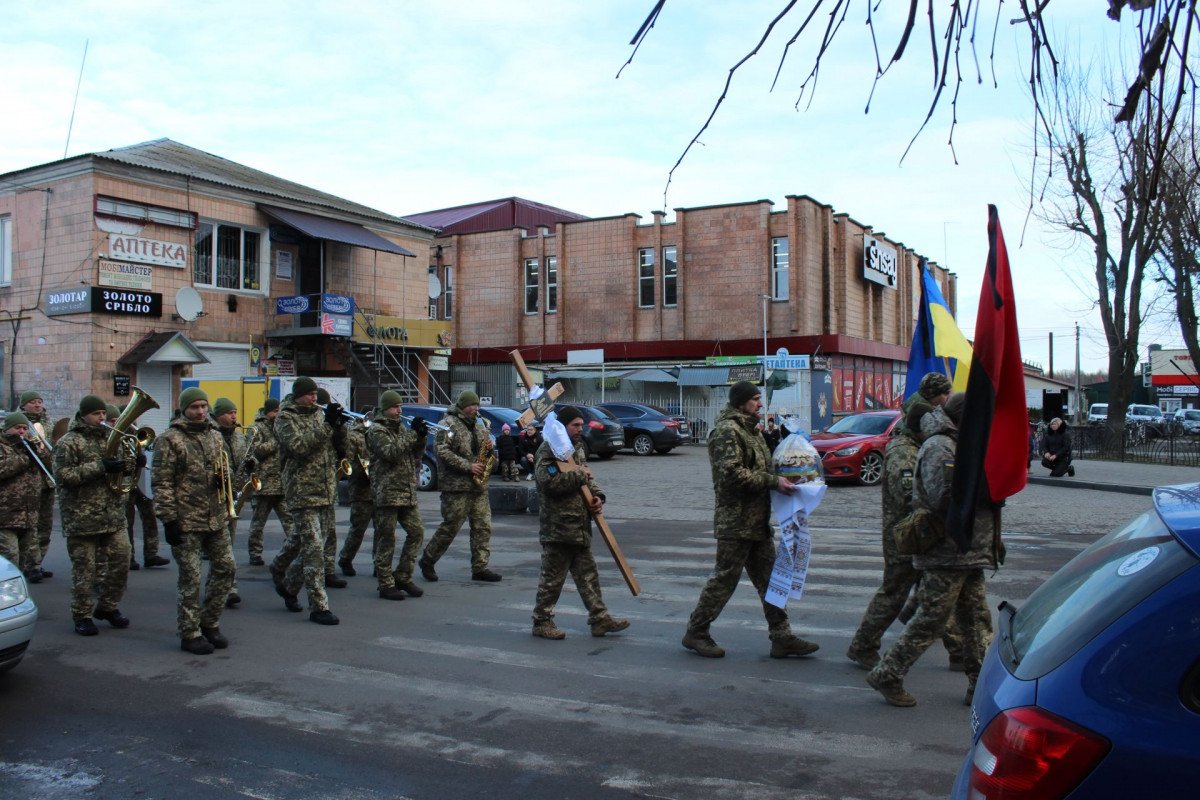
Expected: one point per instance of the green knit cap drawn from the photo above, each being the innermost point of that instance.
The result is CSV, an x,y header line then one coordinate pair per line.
x,y
389,398
303,386
189,396
223,406
15,418
467,398
28,397
111,412
90,404
323,397
270,404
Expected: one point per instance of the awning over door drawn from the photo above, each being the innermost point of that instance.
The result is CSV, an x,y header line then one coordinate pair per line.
x,y
164,348
335,230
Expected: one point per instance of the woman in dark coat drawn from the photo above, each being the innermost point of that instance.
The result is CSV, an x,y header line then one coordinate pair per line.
x,y
1056,449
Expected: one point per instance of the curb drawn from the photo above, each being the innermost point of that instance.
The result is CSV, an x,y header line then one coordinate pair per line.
x,y
1071,483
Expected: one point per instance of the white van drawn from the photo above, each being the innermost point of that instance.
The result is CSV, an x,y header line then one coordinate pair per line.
x,y
1098,414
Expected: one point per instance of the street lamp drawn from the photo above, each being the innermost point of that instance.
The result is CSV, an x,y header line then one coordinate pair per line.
x,y
765,298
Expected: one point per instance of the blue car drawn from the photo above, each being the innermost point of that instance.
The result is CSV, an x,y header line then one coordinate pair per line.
x,y
1092,687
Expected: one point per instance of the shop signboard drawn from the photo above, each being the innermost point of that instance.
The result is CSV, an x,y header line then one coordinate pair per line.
x,y
125,276
122,247
337,325
880,264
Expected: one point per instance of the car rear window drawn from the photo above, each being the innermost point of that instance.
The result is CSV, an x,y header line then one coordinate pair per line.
x,y
1091,592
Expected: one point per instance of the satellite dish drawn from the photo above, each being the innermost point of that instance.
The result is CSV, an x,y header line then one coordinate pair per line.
x,y
188,304
435,287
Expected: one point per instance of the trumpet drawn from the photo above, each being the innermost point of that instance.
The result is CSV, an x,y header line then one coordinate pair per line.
x,y
345,467
410,420
365,419
32,440
225,491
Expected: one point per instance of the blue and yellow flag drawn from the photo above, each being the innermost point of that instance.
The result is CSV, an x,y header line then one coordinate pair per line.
x,y
938,345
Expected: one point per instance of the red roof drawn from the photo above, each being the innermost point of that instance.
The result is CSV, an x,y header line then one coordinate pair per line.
x,y
490,215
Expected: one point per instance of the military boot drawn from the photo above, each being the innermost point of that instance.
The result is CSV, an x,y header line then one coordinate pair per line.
x,y
391,593
609,625
892,689
215,637
323,618
867,659
334,582
427,571
548,630
159,561
348,568
792,646
197,646
703,644
486,575
411,589
114,617
289,600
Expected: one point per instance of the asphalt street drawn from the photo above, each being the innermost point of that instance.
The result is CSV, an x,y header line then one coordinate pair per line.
x,y
448,696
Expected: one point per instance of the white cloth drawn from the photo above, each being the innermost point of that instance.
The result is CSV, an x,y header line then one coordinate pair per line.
x,y
555,434
795,542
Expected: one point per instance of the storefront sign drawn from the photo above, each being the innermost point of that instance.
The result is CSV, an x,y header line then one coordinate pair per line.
x,y
1177,391
69,301
439,363
787,362
295,304
121,385
724,361
120,301
125,276
747,372
337,304
147,251
879,263
337,325
398,331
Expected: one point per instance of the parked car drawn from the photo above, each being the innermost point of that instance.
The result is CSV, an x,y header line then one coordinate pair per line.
x,y
649,429
1188,420
1098,414
18,615
853,446
1092,686
602,434
1156,423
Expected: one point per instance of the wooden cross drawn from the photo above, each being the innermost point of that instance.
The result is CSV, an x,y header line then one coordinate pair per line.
x,y
569,466
542,406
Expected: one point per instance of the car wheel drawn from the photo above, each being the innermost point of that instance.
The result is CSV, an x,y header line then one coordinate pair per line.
x,y
643,445
427,476
872,469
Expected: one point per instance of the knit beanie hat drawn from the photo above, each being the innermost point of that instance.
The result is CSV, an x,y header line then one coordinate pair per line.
x,y
303,386
467,398
912,421
568,413
323,397
223,406
90,404
15,418
954,407
743,392
189,396
270,404
389,398
505,428
28,397
111,411
934,384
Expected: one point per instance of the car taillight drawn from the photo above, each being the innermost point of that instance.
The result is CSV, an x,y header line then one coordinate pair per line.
x,y
598,426
1032,754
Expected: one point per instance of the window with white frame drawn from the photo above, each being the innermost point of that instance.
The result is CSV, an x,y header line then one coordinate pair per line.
x,y
531,285
128,209
551,284
6,250
779,268
670,277
448,293
228,257
646,277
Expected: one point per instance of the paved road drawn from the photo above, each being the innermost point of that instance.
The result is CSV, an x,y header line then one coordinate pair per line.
x,y
448,696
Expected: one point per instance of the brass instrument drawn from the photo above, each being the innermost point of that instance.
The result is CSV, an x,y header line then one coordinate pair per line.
x,y
486,457
410,420
225,483
34,438
123,444
60,429
345,467
252,484
365,419
365,463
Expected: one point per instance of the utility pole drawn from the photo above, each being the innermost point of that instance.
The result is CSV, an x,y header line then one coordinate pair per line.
x,y
1078,386
1051,372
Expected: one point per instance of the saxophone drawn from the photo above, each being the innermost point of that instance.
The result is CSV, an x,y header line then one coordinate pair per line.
x,y
486,457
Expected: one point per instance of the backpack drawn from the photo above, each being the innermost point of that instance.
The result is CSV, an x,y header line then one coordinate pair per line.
x,y
918,532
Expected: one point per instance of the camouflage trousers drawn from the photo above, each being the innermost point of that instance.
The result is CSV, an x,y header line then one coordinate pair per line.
x,y
944,593
301,559
194,614
899,577
386,518
361,513
329,542
509,471
11,540
557,560
33,548
84,572
263,505
757,557
136,501
230,530
457,508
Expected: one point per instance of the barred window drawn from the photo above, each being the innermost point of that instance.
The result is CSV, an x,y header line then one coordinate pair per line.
x,y
228,257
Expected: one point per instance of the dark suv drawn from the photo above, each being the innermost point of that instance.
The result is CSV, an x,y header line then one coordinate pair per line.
x,y
602,434
649,429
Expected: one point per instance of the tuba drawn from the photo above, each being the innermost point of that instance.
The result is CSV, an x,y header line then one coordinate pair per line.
x,y
123,444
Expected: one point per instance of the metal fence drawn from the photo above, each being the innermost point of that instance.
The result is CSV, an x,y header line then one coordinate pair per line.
x,y
701,415
1140,442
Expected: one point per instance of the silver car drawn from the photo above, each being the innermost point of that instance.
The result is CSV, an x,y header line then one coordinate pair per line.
x,y
18,615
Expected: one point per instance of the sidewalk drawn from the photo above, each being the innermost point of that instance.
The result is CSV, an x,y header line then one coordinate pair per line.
x,y
1115,476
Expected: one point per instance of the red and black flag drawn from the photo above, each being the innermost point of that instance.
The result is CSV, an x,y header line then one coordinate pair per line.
x,y
993,439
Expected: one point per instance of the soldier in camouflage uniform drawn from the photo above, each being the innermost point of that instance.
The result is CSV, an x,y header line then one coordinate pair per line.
x,y
21,484
187,489
35,549
137,502
269,496
309,443
328,516
225,415
953,581
566,535
899,576
742,481
464,489
92,516
362,501
394,450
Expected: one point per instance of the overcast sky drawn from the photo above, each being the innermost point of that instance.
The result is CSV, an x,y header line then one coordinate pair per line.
x,y
408,107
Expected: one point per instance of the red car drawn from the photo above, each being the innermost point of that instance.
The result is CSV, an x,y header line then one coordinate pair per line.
x,y
853,446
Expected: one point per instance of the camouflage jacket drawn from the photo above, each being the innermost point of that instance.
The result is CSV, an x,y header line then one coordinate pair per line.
x,y
934,476
21,483
266,450
185,476
562,514
899,463
742,477
394,453
457,449
309,448
86,503
356,453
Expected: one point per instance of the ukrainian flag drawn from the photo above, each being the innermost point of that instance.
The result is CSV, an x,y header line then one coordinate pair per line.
x,y
938,345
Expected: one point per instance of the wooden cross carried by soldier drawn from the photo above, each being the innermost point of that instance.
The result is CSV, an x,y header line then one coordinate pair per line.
x,y
539,408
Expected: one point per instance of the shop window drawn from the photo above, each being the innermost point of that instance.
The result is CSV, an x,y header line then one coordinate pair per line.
x,y
531,285
646,277
551,284
670,277
228,257
140,212
448,294
6,250
779,269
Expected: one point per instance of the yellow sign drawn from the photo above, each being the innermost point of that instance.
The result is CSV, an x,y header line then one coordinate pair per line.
x,y
402,332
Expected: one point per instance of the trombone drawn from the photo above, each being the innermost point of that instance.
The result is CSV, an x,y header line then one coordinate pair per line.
x,y
34,438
